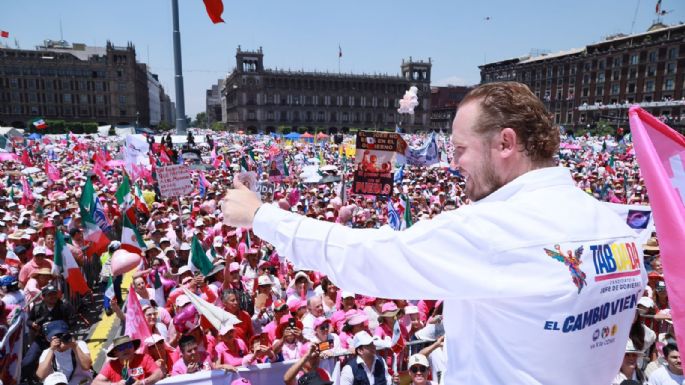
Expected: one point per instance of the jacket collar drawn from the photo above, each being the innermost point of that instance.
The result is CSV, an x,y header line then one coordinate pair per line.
x,y
532,180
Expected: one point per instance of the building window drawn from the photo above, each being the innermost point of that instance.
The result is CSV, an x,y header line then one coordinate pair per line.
x,y
122,100
83,99
615,89
122,112
351,101
617,61
120,73
602,64
599,91
652,57
99,99
672,53
600,77
651,71
632,74
616,75
66,98
327,100
649,86
631,88
339,101
669,84
635,59
32,97
670,68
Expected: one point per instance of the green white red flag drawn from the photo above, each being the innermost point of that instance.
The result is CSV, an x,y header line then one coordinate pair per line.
x,y
65,265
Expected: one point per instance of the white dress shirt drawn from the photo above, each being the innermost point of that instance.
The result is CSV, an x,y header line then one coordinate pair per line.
x,y
513,312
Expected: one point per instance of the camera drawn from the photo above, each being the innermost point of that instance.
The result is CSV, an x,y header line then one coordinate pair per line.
x,y
291,323
323,346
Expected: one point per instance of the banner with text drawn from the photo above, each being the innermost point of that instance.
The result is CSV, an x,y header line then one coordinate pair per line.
x,y
256,374
174,181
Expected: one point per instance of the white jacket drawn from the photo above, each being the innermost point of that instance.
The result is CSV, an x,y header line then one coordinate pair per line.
x,y
513,312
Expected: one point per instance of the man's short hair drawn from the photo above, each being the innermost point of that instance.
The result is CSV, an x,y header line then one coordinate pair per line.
x,y
185,341
670,348
513,105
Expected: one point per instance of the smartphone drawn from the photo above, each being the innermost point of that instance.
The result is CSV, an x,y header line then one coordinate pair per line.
x,y
323,346
291,323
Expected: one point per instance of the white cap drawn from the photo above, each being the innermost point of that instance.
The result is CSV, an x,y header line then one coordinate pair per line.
x,y
185,246
218,241
418,359
182,300
39,250
56,378
347,294
411,309
164,239
225,328
183,269
362,338
646,302
263,280
199,222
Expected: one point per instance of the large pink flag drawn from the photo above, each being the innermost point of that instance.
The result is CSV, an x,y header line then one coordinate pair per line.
x,y
661,155
51,171
136,327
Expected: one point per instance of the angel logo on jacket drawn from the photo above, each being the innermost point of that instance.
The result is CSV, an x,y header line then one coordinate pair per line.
x,y
572,260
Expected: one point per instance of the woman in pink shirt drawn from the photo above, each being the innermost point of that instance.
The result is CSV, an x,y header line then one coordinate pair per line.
x,y
230,349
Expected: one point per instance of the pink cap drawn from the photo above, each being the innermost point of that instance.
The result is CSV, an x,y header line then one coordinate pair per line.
x,y
389,307
241,381
234,266
320,321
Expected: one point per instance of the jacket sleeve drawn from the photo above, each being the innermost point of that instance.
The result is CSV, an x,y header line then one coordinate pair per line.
x,y
442,258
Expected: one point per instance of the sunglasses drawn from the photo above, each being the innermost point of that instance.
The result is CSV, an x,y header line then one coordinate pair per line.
x,y
418,369
121,348
325,326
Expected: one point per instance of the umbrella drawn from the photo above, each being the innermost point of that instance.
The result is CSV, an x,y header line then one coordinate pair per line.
x,y
292,135
30,170
35,136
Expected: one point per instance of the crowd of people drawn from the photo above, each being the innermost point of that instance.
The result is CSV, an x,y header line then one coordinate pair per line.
x,y
285,314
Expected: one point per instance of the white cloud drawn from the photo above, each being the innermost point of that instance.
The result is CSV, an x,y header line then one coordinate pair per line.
x,y
451,81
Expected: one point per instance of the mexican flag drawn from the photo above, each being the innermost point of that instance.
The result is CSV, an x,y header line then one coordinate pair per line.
x,y
407,221
39,124
89,212
198,258
109,294
125,199
65,265
131,240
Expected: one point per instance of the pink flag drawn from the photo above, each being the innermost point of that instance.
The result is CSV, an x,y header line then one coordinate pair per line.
x,y
661,156
136,327
51,171
27,194
163,157
7,156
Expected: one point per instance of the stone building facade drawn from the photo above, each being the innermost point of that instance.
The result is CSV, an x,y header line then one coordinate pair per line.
x,y
255,99
600,81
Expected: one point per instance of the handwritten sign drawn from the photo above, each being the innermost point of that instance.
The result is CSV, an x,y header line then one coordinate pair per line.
x,y
174,181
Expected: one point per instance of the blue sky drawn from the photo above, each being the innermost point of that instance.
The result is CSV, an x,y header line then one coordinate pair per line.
x,y
304,34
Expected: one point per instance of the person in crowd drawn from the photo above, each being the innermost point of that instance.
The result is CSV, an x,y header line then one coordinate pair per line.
x,y
127,366
314,311
306,370
419,369
366,367
161,352
244,330
261,351
672,372
630,367
194,360
66,355
230,349
290,342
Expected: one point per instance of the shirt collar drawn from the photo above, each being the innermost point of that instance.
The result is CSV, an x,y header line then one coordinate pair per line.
x,y
532,180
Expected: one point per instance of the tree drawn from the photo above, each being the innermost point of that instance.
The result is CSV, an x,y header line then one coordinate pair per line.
x,y
218,126
200,120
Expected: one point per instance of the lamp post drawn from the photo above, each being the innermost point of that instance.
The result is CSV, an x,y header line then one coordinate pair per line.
x,y
181,123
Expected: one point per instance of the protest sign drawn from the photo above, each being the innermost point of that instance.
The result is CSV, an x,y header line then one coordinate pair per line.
x,y
174,181
374,160
265,189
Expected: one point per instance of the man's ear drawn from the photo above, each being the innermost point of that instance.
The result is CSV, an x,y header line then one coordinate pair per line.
x,y
507,142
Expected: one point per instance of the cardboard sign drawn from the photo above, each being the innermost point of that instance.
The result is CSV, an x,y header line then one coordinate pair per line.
x,y
374,160
174,181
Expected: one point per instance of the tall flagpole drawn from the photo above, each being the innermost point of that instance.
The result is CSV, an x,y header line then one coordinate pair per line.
x,y
178,66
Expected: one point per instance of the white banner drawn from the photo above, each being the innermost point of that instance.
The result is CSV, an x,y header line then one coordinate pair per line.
x,y
257,374
174,180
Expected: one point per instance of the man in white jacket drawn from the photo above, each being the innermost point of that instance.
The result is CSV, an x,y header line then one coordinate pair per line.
x,y
539,280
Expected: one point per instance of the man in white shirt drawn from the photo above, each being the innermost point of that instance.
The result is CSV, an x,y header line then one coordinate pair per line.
x,y
671,374
314,311
539,280
366,365
65,355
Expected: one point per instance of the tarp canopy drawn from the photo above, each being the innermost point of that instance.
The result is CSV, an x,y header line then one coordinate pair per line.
x,y
292,135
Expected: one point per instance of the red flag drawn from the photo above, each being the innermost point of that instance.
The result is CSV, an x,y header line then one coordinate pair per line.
x,y
4,34
163,157
214,9
26,159
661,155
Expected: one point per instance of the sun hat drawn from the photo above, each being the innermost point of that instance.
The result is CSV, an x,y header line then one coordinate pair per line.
x,y
56,378
122,340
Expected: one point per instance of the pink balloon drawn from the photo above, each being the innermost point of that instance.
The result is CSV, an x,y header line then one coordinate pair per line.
x,y
124,261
